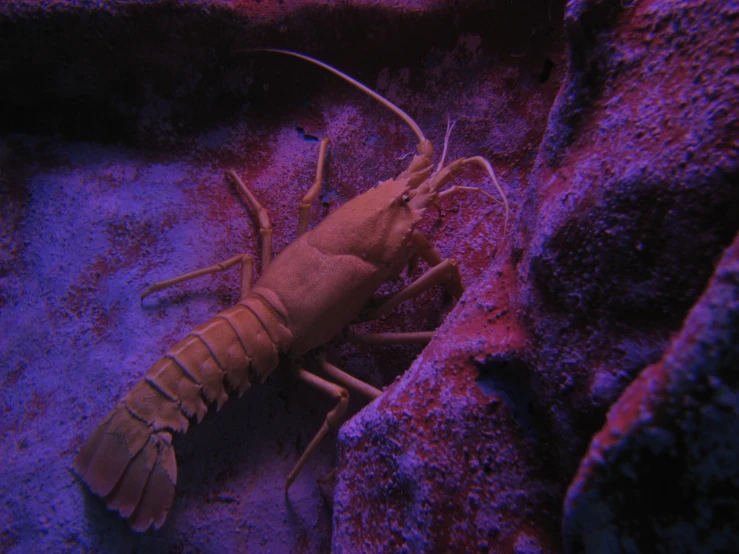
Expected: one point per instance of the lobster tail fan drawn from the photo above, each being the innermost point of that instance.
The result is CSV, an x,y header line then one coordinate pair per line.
x,y
132,466
108,452
158,493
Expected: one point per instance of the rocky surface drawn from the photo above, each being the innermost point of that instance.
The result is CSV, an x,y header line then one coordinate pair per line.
x,y
632,200
661,476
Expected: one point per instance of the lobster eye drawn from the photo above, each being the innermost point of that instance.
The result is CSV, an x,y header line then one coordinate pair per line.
x,y
405,198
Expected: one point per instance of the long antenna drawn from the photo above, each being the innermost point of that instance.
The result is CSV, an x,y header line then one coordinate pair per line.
x,y
384,101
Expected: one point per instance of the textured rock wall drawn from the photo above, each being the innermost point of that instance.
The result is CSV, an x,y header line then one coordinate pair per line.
x,y
632,200
662,474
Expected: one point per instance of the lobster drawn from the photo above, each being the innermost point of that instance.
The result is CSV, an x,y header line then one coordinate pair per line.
x,y
306,296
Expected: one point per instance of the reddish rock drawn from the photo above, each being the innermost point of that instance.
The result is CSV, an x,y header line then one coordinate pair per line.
x,y
635,197
662,475
632,200
454,457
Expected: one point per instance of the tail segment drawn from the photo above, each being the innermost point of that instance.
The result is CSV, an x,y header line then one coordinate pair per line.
x,y
129,459
133,468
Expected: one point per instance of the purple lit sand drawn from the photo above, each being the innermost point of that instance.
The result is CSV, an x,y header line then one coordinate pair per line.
x,y
615,133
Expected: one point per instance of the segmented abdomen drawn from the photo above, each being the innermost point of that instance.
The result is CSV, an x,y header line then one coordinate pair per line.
x,y
129,458
233,346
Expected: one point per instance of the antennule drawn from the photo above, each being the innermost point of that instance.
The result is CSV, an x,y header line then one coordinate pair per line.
x,y
384,101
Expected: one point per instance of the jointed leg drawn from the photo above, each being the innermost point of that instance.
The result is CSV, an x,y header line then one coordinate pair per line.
x,y
442,272
265,227
246,275
457,188
347,380
446,271
314,191
332,422
265,231
427,251
384,339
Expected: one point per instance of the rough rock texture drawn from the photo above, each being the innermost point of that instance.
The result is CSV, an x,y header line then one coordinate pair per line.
x,y
633,198
118,120
454,457
662,475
